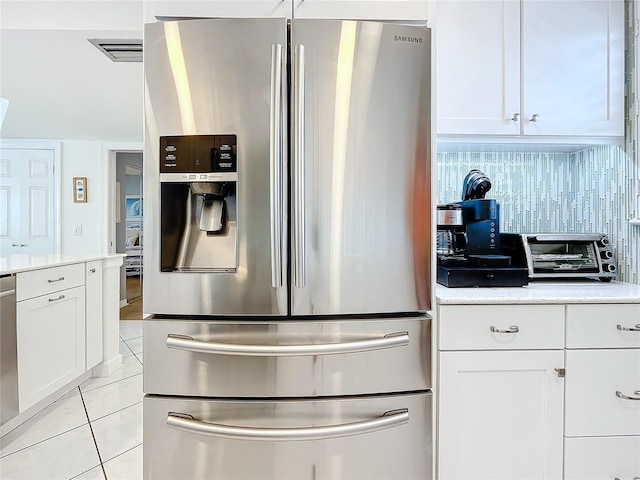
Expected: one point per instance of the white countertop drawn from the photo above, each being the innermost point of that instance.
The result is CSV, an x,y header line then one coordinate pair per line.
x,y
587,291
22,262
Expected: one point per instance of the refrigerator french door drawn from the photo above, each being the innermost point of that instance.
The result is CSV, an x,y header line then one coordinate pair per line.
x,y
287,221
357,172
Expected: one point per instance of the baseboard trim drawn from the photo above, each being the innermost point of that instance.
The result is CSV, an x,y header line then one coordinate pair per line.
x,y
124,303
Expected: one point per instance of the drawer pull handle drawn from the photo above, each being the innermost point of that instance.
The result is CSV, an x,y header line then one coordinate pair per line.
x,y
56,280
627,397
19,245
56,299
184,342
629,329
512,329
92,270
187,423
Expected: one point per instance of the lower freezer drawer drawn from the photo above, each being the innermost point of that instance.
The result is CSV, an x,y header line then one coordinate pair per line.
x,y
375,437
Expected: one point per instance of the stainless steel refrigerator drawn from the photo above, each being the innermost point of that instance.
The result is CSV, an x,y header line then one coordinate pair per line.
x,y
287,250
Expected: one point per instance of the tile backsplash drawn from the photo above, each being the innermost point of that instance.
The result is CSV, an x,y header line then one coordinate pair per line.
x,y
591,190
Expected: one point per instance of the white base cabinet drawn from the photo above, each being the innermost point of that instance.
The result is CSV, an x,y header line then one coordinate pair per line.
x,y
500,415
94,313
50,343
608,458
538,391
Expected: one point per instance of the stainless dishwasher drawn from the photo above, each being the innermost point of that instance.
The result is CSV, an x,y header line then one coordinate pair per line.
x,y
8,351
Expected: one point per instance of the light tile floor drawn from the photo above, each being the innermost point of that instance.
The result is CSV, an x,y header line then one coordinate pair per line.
x,y
92,432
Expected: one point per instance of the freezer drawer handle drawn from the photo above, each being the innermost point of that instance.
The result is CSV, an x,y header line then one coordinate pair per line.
x,y
512,329
629,329
627,397
187,423
183,342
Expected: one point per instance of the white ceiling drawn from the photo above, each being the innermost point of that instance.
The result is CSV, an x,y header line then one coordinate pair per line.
x,y
59,85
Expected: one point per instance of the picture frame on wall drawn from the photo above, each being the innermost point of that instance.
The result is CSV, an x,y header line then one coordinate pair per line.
x,y
133,207
80,189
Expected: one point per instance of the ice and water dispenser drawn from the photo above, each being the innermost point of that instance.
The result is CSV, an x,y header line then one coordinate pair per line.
x,y
198,223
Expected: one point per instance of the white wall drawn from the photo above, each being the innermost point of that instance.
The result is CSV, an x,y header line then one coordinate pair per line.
x,y
83,159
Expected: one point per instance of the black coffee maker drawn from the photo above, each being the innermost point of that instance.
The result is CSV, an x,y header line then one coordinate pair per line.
x,y
468,246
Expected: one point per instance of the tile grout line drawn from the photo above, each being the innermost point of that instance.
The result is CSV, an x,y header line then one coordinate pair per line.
x,y
86,412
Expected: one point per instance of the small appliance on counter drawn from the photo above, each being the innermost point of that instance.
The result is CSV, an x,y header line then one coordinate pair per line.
x,y
468,241
561,255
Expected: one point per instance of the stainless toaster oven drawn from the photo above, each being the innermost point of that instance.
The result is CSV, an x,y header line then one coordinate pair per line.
x,y
561,255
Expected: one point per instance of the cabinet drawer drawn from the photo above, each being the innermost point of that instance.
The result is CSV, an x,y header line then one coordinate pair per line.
x,y
596,383
603,326
602,458
501,327
48,280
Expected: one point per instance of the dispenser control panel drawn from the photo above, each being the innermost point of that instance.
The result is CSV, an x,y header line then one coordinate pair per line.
x,y
198,154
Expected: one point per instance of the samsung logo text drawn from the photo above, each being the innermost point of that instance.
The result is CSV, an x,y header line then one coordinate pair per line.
x,y
399,38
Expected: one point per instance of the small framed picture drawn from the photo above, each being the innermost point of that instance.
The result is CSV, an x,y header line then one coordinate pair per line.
x,y
133,207
80,189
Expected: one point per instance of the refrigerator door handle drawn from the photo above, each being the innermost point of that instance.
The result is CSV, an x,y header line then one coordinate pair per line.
x,y
299,272
184,342
276,197
187,423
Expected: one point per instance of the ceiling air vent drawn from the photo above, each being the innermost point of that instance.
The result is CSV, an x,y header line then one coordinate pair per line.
x,y
119,50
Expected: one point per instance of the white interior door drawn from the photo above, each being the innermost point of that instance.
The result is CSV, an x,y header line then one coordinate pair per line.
x,y
27,201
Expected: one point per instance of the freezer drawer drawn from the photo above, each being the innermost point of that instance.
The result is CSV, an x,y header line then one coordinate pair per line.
x,y
288,358
365,438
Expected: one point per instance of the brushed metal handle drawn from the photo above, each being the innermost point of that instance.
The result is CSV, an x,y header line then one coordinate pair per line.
x,y
628,397
534,117
184,342
56,280
188,423
512,329
276,197
516,117
636,328
19,245
299,273
561,372
56,299
92,270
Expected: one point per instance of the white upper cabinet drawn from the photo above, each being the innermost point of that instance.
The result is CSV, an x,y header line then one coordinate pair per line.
x,y
414,10
530,67
161,9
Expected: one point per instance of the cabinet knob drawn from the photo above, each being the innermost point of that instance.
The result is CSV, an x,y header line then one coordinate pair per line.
x,y
516,117
561,372
534,117
93,270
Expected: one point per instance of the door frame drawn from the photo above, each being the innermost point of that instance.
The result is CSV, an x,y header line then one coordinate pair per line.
x,y
56,147
109,152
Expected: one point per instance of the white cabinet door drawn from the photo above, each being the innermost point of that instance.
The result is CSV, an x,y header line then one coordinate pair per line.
x,y
93,287
27,201
602,458
417,10
500,415
603,392
573,67
478,66
50,343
